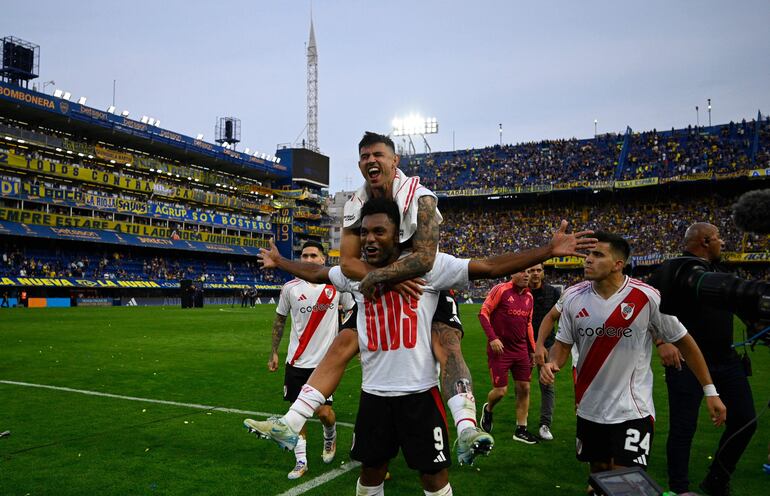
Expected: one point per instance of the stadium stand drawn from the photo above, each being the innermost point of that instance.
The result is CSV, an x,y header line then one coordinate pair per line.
x,y
647,186
99,204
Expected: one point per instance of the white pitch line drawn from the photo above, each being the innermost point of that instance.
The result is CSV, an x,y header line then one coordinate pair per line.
x,y
321,479
150,400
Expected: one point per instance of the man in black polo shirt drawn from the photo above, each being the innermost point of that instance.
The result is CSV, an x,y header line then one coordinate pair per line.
x,y
712,329
545,297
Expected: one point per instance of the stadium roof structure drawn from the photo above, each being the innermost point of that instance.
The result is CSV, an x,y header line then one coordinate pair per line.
x,y
50,111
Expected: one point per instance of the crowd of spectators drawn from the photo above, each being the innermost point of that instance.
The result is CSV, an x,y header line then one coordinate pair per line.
x,y
719,149
653,227
125,265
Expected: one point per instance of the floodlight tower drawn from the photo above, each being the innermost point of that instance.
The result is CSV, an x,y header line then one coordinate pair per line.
x,y
312,90
415,125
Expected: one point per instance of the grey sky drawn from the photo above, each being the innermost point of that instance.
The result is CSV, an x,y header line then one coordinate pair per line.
x,y
542,69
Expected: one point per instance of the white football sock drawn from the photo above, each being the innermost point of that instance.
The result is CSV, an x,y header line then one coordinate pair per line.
x,y
308,401
300,450
369,490
330,432
444,491
463,408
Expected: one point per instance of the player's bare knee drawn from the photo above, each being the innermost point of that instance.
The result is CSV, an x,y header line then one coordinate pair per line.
x,y
373,476
432,482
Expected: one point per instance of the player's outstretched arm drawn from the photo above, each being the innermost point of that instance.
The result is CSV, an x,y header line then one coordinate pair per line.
x,y
545,330
272,259
556,360
697,364
561,245
417,263
279,324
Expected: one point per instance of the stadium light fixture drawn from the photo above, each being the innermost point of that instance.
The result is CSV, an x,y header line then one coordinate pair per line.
x,y
157,123
247,151
9,138
21,141
189,178
112,161
111,109
217,185
58,93
196,180
263,156
124,113
82,100
144,119
91,156
168,174
67,95
277,160
80,154
58,149
152,170
413,125
69,152
151,121
199,137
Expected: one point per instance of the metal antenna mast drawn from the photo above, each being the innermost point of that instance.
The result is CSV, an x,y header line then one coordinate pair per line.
x,y
312,90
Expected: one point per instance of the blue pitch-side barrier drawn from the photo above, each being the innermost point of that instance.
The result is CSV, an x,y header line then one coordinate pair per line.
x,y
118,123
78,234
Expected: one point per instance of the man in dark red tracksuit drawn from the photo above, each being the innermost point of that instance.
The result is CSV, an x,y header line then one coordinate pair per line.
x,y
506,317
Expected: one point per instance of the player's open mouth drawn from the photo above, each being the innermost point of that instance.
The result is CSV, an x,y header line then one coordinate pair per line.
x,y
371,251
373,172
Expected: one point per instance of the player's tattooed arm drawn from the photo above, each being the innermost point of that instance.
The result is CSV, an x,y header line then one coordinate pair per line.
x,y
278,326
417,263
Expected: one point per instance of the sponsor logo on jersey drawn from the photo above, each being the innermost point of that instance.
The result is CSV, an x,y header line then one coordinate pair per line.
x,y
627,310
518,313
316,308
612,332
582,313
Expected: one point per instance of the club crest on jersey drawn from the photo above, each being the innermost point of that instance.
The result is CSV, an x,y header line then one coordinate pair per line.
x,y
627,310
329,292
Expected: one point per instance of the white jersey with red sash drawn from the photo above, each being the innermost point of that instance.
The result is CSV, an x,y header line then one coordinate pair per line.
x,y
314,320
394,332
615,338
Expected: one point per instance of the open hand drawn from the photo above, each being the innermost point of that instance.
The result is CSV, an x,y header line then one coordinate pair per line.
x,y
569,245
269,258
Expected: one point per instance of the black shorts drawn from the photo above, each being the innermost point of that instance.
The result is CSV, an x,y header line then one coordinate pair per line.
x,y
416,423
446,311
349,319
627,443
293,380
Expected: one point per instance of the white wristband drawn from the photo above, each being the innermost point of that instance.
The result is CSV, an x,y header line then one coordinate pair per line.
x,y
710,390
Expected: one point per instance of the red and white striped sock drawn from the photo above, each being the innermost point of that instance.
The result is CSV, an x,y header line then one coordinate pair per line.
x,y
308,401
463,408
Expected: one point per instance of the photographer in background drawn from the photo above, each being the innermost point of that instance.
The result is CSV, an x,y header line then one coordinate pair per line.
x,y
712,328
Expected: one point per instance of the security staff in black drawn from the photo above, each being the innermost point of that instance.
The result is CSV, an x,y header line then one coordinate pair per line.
x,y
712,329
544,298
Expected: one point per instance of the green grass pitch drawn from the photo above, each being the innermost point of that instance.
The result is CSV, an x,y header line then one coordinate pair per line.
x,y
64,443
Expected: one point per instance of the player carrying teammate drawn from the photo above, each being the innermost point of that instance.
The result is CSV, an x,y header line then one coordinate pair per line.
x,y
400,406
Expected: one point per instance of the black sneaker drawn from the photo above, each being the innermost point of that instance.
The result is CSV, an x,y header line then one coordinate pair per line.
x,y
715,487
486,419
522,435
